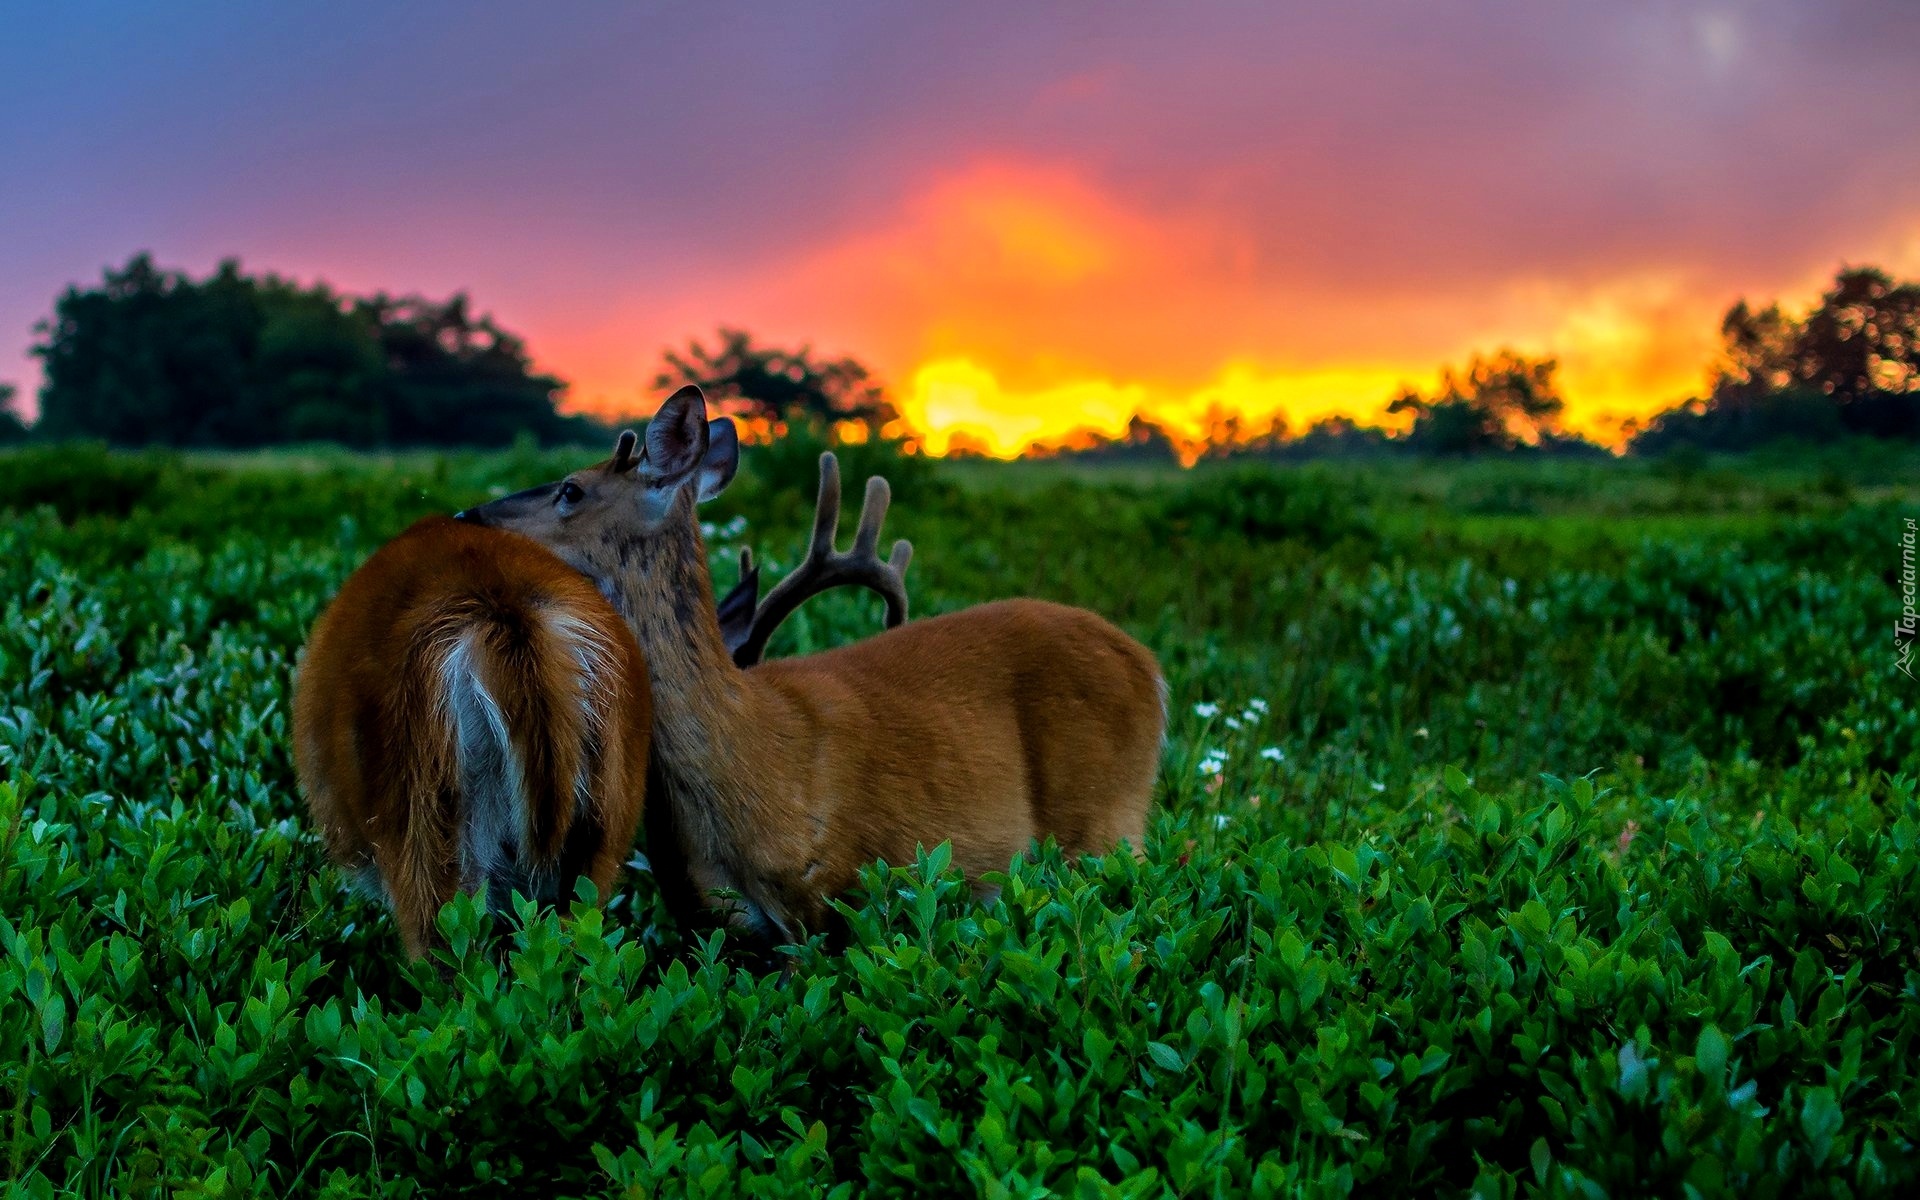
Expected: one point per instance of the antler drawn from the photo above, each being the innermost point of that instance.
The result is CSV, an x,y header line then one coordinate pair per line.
x,y
825,568
736,607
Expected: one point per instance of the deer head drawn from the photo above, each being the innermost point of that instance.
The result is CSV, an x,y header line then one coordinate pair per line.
x,y
589,515
609,518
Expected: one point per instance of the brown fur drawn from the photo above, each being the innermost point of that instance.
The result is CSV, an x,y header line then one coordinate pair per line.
x,y
987,728
376,728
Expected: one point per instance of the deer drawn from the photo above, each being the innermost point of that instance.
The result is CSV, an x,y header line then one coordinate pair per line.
x,y
470,710
775,784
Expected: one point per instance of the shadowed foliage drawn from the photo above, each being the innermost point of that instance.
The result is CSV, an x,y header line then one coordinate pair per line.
x,y
775,390
156,357
1849,368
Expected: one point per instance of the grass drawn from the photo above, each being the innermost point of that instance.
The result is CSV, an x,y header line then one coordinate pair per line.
x,y
1524,828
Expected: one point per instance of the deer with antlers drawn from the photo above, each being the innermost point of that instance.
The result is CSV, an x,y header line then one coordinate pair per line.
x,y
987,728
470,710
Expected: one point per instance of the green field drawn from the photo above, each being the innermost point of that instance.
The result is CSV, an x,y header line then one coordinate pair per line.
x,y
1525,828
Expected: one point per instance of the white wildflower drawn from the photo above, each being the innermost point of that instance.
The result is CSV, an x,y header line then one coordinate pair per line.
x,y
1379,787
1206,711
1221,821
1256,705
1213,762
1273,754
1233,722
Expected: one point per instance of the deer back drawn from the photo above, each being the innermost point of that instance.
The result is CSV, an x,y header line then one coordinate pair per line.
x,y
989,728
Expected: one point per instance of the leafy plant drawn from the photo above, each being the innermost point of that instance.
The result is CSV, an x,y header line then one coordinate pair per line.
x,y
1572,851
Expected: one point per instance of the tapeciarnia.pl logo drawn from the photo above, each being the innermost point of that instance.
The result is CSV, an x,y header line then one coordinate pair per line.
x,y
1909,622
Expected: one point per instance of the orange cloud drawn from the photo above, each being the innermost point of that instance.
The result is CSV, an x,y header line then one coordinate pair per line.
x,y
1014,302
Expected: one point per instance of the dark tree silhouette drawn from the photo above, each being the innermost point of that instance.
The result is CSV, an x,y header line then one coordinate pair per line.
x,y
448,369
1850,367
1338,437
779,388
1758,348
1229,435
154,356
12,428
1864,338
1498,402
1144,442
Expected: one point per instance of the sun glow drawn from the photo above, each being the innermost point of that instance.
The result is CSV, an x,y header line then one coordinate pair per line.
x,y
1011,303
957,403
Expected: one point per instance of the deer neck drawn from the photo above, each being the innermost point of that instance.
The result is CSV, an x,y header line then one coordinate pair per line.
x,y
707,742
663,588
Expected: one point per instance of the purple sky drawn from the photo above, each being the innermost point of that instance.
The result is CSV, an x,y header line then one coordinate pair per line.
x,y
1087,206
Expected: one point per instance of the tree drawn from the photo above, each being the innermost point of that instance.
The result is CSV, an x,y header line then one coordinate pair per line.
x,y
149,356
1864,337
1499,402
1229,435
323,372
1758,349
1339,437
777,388
12,428
1143,442
155,356
449,371
1850,367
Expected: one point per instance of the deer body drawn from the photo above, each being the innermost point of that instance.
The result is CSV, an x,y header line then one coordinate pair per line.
x,y
991,741
986,728
470,710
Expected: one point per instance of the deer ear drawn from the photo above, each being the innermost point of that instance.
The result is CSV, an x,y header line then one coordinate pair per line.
x,y
722,458
677,436
623,456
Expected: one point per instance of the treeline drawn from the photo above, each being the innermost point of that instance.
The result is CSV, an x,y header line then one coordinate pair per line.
x,y
1498,403
1848,367
155,357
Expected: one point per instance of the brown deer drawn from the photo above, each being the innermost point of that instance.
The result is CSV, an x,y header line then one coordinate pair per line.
x,y
988,727
471,710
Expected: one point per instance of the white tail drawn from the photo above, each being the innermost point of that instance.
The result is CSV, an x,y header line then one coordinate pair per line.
x,y
470,711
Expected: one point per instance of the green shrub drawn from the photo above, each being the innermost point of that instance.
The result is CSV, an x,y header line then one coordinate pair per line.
x,y
1570,855
790,467
81,479
1265,502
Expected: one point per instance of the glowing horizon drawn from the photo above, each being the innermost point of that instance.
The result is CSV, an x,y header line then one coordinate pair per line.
x,y
1010,304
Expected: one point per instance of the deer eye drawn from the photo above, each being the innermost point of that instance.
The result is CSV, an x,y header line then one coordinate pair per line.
x,y
571,493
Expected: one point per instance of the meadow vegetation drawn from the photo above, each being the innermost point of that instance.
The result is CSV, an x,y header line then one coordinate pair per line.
x,y
1541,828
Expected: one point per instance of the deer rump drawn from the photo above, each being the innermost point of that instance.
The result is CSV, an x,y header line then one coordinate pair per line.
x,y
471,711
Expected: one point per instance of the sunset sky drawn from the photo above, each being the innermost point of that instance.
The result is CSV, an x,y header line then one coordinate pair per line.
x,y
1024,217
